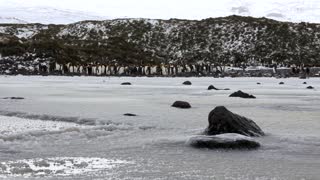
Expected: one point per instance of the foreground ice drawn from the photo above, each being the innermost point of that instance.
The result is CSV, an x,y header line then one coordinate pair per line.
x,y
83,117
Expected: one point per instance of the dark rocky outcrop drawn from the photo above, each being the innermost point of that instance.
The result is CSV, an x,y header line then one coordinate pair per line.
x,y
310,87
226,141
14,98
242,95
221,121
187,83
126,83
129,114
281,83
181,104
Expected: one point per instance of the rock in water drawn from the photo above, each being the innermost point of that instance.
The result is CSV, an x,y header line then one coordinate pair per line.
x,y
211,87
221,121
227,141
187,83
14,98
181,104
310,87
126,83
129,114
242,95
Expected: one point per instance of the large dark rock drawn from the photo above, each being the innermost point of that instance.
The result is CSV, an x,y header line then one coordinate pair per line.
x,y
181,104
221,121
281,83
310,87
14,98
187,83
226,141
126,83
242,95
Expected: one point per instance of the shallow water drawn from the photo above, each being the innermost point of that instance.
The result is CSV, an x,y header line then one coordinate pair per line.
x,y
77,123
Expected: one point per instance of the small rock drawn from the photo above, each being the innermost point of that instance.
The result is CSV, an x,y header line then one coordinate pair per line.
x,y
310,87
211,87
126,83
258,83
242,95
14,98
181,104
187,83
281,82
225,141
129,114
304,83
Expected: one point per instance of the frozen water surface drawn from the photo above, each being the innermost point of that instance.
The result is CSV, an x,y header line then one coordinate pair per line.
x,y
76,125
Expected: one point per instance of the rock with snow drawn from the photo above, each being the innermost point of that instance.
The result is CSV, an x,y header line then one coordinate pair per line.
x,y
181,104
304,83
225,141
187,83
281,83
310,87
221,121
242,95
259,83
126,83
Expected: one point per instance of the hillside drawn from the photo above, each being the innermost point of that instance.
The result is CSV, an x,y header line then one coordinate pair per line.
x,y
228,40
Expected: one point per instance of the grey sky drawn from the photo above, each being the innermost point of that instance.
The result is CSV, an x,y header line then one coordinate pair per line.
x,y
185,9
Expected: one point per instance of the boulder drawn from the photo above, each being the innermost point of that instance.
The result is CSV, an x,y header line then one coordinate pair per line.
x,y
310,87
129,114
304,83
226,141
221,121
181,104
14,98
281,83
187,83
126,83
242,95
258,83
